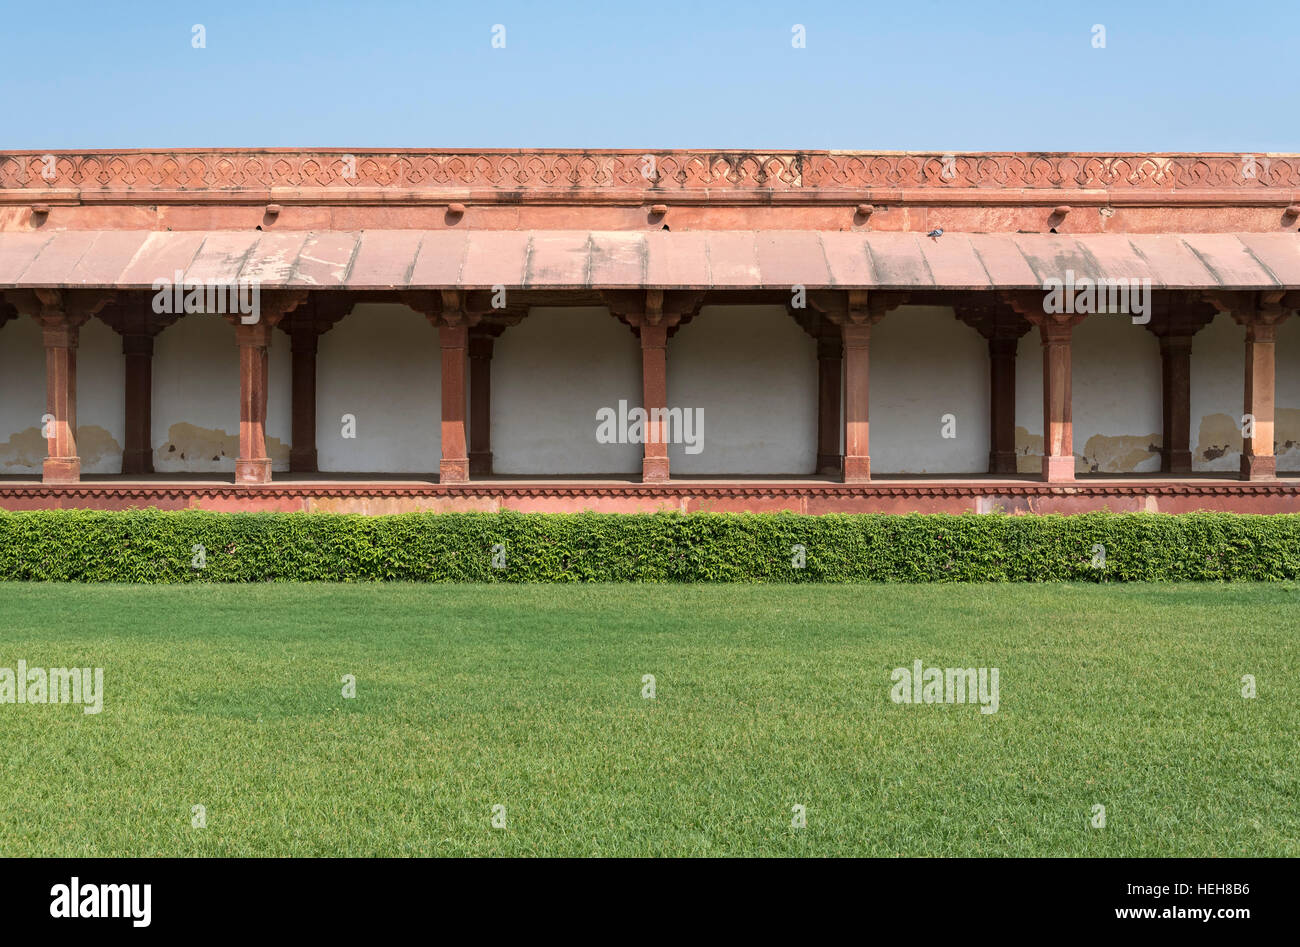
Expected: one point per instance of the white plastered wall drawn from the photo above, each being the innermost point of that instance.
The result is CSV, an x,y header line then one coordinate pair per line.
x,y
1287,439
196,397
1116,404
753,372
925,364
100,397
551,373
382,365
1218,386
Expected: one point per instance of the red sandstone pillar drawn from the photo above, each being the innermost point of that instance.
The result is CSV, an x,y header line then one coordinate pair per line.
x,y
1176,403
303,343
137,452
454,465
1257,459
480,404
60,334
253,465
857,453
1002,403
1058,428
830,370
654,396
1260,313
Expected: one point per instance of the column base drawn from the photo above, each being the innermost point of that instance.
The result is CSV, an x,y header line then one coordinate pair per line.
x,y
61,470
480,462
654,470
1176,462
857,469
453,471
1255,467
1002,462
832,464
253,471
303,461
137,461
1058,469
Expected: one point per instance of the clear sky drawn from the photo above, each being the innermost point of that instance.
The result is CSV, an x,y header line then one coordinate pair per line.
x,y
932,75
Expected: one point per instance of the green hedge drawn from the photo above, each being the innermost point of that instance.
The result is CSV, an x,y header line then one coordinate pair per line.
x,y
155,546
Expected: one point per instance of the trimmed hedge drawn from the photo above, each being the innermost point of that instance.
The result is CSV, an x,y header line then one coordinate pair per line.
x,y
155,546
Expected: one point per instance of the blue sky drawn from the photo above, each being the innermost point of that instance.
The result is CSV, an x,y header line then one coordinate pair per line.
x,y
905,75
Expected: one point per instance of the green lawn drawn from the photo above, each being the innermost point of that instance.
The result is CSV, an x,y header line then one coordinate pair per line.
x,y
767,697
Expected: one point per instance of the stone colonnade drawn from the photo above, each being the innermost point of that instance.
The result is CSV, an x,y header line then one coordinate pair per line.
x,y
840,321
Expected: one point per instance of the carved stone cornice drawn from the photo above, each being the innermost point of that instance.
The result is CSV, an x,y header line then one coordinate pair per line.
x,y
672,170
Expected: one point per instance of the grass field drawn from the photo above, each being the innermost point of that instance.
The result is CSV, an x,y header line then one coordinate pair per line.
x,y
530,697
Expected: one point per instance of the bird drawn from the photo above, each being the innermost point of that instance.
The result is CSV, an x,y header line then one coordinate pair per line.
x,y
935,234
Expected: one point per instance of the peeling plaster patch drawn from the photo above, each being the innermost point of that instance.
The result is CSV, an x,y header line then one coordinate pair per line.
x,y
1123,454
199,450
1218,443
95,444
1029,452
24,451
1286,437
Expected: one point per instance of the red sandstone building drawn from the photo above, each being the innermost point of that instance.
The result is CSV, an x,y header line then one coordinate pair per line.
x,y
441,330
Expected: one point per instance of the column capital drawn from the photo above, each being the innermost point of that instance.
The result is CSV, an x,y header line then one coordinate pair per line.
x,y
1054,328
1179,315
272,307
856,307
319,313
993,319
1260,312
447,307
655,308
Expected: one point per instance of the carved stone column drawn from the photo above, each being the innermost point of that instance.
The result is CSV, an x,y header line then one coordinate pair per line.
x,y
1002,327
830,381
855,312
132,317
60,333
481,342
1175,320
1058,427
304,326
653,315
253,465
60,315
1260,313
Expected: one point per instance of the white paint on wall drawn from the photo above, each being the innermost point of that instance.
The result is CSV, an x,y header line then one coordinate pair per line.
x,y
22,397
925,364
1218,387
1029,403
382,365
753,371
196,397
1287,381
101,399
1115,408
1115,377
551,373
